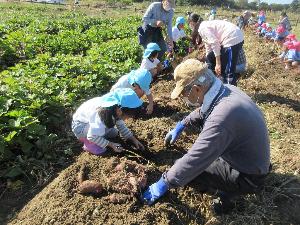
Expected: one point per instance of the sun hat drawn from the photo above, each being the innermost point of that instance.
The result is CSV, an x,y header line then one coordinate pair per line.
x,y
280,29
150,48
124,97
180,20
142,77
291,37
185,73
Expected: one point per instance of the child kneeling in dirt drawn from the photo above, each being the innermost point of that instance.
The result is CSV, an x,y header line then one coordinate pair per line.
x,y
281,34
150,60
139,81
292,57
94,120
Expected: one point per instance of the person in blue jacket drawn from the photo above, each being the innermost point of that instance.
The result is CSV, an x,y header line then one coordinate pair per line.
x,y
158,18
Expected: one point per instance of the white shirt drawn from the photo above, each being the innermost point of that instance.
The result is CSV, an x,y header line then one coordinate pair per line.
x,y
177,34
87,113
123,83
148,64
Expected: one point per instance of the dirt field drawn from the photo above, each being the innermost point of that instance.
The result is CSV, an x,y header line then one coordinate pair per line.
x,y
275,90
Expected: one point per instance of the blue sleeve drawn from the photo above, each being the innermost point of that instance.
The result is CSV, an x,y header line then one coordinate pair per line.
x,y
169,25
148,16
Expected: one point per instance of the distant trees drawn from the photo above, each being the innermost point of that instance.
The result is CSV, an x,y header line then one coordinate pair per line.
x,y
241,4
295,6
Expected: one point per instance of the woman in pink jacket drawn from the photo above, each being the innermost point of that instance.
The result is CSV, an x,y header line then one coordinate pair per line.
x,y
223,42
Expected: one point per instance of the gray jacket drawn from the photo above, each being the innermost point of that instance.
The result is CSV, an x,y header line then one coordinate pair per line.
x,y
154,13
235,130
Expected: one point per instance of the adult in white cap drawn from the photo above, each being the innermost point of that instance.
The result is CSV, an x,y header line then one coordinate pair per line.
x,y
231,156
159,16
223,41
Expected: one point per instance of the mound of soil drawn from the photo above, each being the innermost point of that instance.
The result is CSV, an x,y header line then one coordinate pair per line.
x,y
277,93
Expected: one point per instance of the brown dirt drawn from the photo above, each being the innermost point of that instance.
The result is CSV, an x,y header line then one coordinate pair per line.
x,y
277,93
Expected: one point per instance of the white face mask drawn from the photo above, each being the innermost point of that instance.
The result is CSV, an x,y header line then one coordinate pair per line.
x,y
167,6
189,103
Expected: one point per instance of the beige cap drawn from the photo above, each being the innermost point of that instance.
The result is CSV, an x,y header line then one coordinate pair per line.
x,y
185,73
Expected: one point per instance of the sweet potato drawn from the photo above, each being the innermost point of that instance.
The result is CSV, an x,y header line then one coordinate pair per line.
x,y
117,198
90,187
81,174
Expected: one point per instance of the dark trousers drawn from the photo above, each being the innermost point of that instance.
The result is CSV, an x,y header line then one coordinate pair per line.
x,y
229,57
220,176
154,34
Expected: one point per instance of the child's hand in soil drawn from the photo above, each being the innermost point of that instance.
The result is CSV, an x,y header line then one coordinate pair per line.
x,y
149,109
138,145
116,147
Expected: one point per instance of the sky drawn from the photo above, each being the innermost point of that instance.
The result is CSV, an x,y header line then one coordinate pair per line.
x,y
278,1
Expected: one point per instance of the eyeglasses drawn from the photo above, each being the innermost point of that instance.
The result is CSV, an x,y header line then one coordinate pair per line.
x,y
188,88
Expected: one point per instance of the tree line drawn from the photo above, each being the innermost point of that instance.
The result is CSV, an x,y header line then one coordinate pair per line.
x,y
240,4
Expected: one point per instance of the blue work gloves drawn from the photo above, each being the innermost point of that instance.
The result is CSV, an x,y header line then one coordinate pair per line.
x,y
172,136
155,191
166,64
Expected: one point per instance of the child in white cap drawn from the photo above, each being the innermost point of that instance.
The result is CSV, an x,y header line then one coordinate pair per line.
x,y
139,81
94,121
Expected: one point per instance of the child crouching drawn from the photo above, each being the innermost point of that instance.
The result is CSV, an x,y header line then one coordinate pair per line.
x,y
94,121
150,60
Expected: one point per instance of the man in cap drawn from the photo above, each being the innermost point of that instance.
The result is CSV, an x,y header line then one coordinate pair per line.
x,y
157,18
231,156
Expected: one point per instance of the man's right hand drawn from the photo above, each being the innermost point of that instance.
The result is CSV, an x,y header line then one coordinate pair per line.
x,y
159,23
173,135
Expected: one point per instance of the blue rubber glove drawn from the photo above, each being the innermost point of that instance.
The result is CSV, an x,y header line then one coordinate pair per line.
x,y
172,136
166,64
155,191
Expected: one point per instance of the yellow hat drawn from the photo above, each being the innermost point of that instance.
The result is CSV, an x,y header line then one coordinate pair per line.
x,y
185,73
